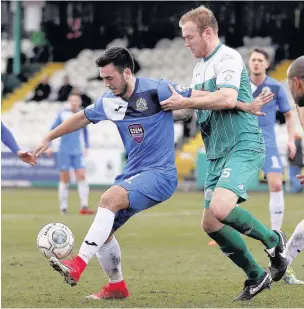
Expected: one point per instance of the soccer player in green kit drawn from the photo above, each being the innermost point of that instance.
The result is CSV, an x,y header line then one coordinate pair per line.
x,y
235,150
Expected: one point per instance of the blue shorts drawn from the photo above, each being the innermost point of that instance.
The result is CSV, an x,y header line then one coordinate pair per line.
x,y
66,161
273,163
145,189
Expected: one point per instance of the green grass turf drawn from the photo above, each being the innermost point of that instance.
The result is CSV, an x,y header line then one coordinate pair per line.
x,y
166,260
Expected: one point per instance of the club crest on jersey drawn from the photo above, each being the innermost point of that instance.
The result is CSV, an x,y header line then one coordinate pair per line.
x,y
141,105
137,132
266,90
181,88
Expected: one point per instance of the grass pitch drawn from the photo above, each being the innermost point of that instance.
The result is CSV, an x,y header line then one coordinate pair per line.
x,y
166,260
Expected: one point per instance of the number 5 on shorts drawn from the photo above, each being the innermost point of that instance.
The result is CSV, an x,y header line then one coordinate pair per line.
x,y
225,173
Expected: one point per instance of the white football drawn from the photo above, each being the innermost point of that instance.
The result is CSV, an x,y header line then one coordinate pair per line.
x,y
55,240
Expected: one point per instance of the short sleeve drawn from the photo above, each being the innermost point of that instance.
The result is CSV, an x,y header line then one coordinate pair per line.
x,y
95,112
229,70
164,91
282,100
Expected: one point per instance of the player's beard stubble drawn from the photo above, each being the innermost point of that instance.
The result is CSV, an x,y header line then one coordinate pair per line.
x,y
124,86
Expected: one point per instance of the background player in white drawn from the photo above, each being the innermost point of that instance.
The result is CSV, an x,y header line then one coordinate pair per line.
x,y
295,244
72,156
273,168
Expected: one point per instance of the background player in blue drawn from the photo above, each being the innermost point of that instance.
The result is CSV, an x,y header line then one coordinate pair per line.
x,y
8,140
71,156
258,64
150,176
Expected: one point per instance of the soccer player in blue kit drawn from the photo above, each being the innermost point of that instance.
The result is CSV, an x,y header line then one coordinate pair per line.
x,y
258,64
150,176
71,155
260,81
8,140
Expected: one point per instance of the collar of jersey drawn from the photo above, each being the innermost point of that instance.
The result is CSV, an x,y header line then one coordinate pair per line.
x,y
214,52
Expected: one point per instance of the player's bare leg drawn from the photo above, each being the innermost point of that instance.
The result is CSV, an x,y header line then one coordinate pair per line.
x,y
63,191
113,200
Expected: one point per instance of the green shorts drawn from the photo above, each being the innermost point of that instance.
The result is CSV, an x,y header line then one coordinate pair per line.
x,y
233,172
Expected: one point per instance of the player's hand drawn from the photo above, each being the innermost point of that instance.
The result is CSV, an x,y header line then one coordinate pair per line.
x,y
174,102
301,178
26,157
41,148
259,102
292,149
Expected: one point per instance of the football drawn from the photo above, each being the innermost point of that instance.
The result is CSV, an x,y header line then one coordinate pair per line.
x,y
55,240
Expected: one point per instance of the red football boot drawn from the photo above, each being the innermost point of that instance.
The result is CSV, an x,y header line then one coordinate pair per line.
x,y
86,211
111,291
69,269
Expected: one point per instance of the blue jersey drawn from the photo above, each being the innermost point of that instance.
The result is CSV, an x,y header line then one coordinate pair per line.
x,y
8,139
70,143
280,102
146,131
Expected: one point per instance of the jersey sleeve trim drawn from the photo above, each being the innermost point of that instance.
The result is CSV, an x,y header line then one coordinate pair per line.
x,y
84,111
227,86
285,111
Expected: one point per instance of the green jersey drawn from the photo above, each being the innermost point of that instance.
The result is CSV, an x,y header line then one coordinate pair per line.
x,y
226,130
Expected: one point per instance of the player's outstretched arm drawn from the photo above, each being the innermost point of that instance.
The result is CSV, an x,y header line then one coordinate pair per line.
x,y
74,123
224,98
255,106
8,139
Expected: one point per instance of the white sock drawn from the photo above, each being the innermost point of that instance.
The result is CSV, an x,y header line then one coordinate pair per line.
x,y
97,234
296,242
63,192
109,258
276,209
83,192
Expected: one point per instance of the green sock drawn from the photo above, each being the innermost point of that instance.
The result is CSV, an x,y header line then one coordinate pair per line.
x,y
241,220
233,245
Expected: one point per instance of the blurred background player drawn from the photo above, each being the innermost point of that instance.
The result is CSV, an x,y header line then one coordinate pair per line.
x,y
71,156
273,168
8,140
295,165
295,244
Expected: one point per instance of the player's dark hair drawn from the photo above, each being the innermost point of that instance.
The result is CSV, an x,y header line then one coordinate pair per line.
x,y
260,51
119,57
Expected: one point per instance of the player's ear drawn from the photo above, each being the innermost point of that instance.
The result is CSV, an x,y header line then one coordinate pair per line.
x,y
127,73
267,65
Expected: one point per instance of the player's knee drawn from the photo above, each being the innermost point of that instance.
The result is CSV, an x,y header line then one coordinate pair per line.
x,y
115,199
80,175
275,185
207,226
